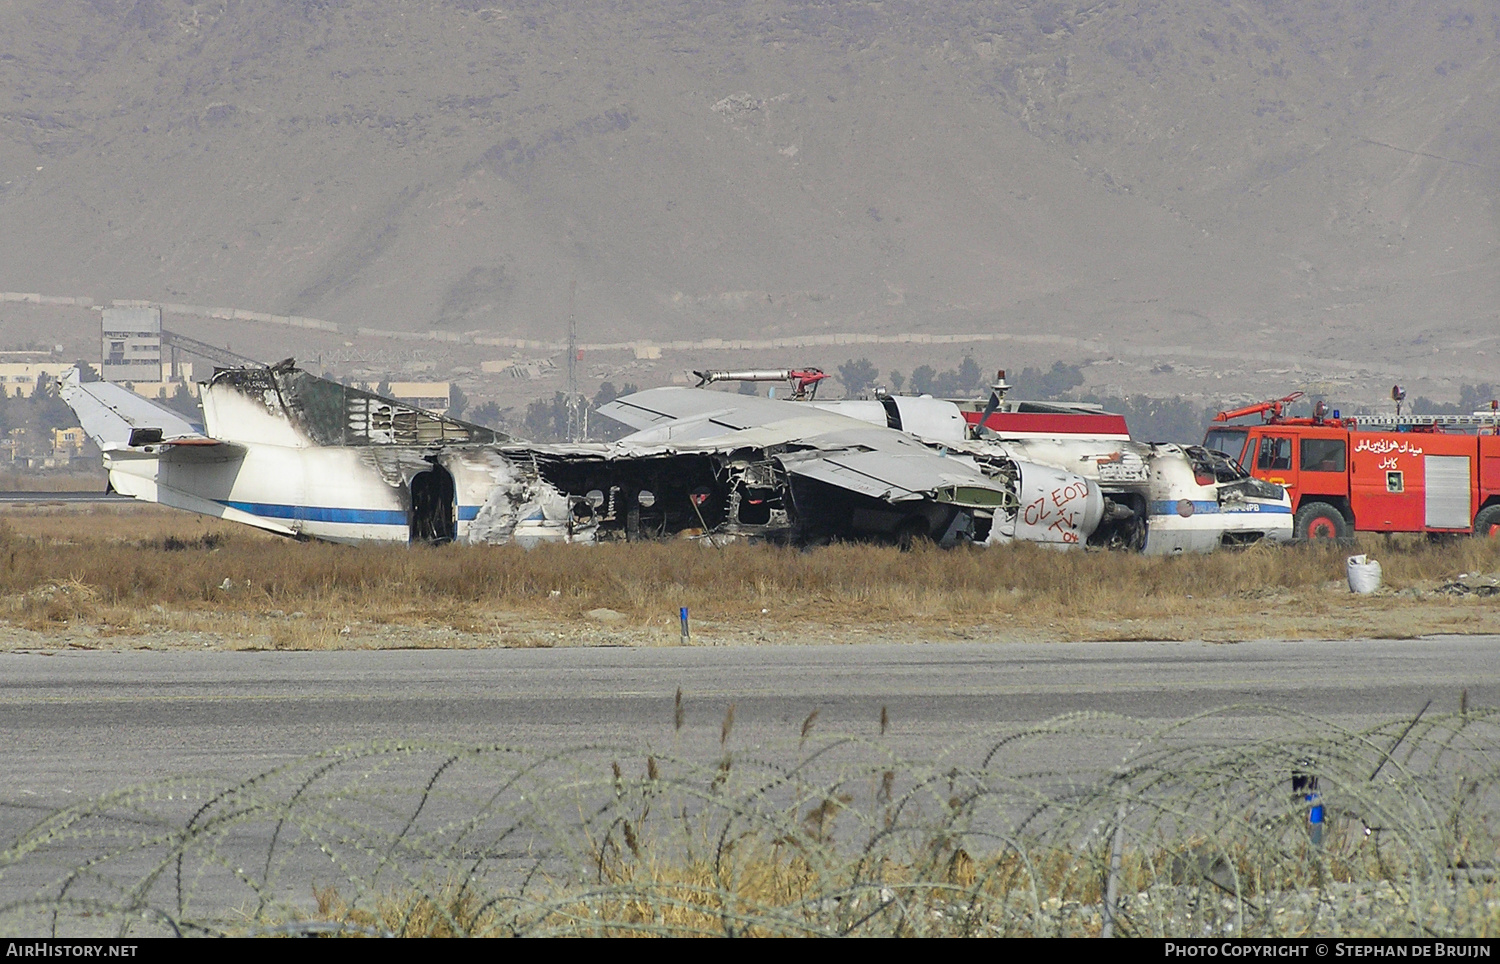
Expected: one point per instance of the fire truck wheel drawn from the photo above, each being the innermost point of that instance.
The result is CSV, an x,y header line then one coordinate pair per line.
x,y
1319,520
1487,522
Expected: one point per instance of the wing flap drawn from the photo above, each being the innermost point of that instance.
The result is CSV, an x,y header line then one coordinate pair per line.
x,y
900,478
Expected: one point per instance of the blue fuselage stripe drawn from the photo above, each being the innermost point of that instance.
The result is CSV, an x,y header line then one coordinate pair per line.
x,y
318,513
1207,507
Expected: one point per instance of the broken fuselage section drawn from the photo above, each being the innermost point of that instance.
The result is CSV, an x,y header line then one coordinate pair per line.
x,y
743,467
292,453
798,494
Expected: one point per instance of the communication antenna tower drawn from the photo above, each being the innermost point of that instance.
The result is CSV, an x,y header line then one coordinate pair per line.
x,y
576,416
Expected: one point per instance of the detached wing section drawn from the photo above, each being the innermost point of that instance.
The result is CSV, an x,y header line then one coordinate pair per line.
x,y
811,443
893,468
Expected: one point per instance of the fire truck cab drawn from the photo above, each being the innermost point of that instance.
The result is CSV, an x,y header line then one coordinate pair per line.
x,y
1437,474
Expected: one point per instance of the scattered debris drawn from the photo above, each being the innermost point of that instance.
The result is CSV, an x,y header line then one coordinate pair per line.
x,y
1472,584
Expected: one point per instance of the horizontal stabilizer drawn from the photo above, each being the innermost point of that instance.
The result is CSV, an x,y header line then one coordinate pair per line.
x,y
117,418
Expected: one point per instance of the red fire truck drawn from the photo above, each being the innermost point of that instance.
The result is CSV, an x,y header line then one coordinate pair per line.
x,y
1438,474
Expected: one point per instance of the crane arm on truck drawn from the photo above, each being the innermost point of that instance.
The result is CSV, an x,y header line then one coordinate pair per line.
x,y
1271,411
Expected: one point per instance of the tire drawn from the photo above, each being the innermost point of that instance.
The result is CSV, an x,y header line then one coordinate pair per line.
x,y
1487,522
1317,521
912,532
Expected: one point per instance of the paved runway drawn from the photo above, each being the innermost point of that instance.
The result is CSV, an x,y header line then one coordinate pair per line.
x,y
42,498
80,723
76,724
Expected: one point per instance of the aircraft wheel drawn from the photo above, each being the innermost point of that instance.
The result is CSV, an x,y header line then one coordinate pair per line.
x,y
1487,522
1316,521
912,531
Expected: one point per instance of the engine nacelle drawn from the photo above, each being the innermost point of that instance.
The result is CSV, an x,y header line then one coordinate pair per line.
x,y
1057,508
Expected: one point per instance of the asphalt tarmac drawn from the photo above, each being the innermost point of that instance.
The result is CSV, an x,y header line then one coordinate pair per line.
x,y
76,724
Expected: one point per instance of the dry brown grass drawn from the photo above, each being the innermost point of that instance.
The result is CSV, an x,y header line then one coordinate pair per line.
x,y
450,910
765,888
83,480
133,571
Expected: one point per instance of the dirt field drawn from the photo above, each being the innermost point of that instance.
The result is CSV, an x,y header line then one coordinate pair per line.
x,y
126,577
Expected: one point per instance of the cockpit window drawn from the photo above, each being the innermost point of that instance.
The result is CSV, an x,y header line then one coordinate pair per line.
x,y
1216,464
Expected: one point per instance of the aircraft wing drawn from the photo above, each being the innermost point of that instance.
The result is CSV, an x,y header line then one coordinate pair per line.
x,y
693,415
715,411
900,477
816,444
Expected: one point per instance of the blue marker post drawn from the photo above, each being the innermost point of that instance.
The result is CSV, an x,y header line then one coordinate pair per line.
x,y
686,636
1305,785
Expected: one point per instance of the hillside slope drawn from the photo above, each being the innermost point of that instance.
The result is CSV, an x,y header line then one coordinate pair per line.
x,y
1262,172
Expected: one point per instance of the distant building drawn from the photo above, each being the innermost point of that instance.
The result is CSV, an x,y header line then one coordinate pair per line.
x,y
67,443
22,379
33,450
132,345
527,369
433,396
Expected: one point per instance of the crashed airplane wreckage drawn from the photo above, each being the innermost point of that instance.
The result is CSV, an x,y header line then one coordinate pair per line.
x,y
1159,498
293,453
300,455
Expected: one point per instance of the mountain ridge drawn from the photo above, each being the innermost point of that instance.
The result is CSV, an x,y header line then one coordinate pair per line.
x,y
1269,175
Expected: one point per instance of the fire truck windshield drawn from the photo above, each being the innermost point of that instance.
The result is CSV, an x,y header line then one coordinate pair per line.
x,y
1230,441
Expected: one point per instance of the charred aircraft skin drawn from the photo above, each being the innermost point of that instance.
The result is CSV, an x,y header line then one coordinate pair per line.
x,y
288,452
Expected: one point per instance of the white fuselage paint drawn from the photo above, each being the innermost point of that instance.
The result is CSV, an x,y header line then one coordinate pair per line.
x,y
1057,508
928,418
340,495
1163,475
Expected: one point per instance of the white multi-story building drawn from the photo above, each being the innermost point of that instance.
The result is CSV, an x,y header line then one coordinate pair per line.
x,y
132,345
